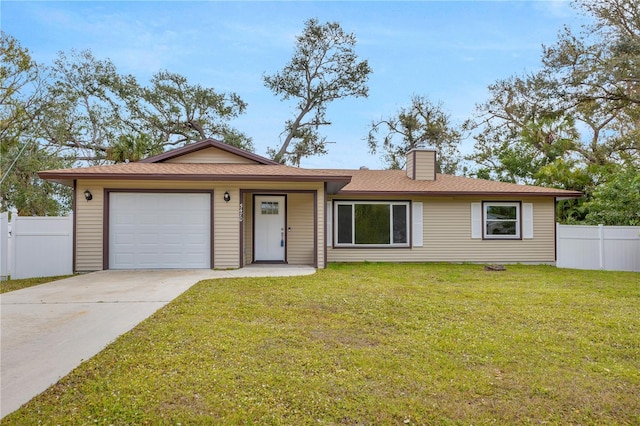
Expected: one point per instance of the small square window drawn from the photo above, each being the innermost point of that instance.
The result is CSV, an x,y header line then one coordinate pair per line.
x,y
501,220
269,207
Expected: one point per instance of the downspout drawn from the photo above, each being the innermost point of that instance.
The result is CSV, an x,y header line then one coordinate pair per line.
x,y
325,200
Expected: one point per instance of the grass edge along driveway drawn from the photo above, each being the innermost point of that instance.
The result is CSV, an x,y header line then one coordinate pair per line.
x,y
18,284
371,344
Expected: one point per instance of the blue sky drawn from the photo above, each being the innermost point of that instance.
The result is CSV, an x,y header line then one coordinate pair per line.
x,y
449,51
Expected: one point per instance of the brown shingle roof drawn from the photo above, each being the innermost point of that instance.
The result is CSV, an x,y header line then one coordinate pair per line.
x,y
396,182
360,182
195,171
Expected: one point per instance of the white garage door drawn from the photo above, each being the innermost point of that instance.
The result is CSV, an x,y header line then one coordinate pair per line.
x,y
159,230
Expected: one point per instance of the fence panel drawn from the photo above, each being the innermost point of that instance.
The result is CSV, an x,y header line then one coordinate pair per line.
x,y
41,246
613,248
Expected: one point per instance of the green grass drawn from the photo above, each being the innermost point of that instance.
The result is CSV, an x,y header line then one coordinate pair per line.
x,y
371,344
11,285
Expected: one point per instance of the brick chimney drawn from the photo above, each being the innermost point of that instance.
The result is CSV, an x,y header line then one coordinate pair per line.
x,y
421,164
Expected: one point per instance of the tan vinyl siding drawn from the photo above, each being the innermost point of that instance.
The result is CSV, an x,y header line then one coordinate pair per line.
x,y
282,188
447,236
226,229
226,225
322,209
300,222
247,223
211,155
410,165
425,165
89,228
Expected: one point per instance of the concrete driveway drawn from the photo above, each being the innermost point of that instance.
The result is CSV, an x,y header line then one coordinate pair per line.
x,y
48,330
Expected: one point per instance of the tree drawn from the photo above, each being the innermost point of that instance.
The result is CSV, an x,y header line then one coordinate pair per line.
x,y
423,124
324,68
23,190
20,88
520,129
132,148
174,112
82,112
601,63
576,123
21,104
597,74
617,201
92,107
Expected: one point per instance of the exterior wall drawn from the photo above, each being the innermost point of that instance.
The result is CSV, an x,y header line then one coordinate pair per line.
x,y
226,227
425,165
410,166
89,227
211,155
446,226
300,207
447,236
300,223
226,217
247,224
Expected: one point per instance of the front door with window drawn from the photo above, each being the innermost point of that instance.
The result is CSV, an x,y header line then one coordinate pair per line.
x,y
269,228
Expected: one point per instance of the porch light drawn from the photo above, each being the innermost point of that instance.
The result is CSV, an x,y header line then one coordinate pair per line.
x,y
87,195
227,196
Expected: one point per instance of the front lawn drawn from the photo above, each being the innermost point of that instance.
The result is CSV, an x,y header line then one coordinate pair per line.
x,y
11,285
371,344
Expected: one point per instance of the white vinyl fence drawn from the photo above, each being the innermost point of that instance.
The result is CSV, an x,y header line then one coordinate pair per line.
x,y
35,246
612,248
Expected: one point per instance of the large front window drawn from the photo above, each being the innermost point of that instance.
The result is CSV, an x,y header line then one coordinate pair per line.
x,y
371,223
501,220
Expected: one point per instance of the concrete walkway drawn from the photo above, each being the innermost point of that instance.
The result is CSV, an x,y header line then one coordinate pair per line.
x,y
48,330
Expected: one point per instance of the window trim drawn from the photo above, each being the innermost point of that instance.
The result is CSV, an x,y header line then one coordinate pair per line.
x,y
518,220
390,203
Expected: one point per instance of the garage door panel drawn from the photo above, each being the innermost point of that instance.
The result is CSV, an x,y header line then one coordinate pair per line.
x,y
159,230
127,201
193,201
172,218
147,220
124,260
194,239
123,239
193,220
147,239
123,219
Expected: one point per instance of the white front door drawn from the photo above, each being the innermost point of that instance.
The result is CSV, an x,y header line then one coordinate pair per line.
x,y
269,228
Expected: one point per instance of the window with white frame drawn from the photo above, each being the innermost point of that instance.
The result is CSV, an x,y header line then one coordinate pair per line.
x,y
371,223
501,220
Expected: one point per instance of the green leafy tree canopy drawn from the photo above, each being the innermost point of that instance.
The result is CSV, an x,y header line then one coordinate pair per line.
x,y
324,68
21,156
421,125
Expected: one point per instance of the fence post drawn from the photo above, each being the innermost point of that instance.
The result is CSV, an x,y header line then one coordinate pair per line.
x,y
13,243
4,245
601,244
